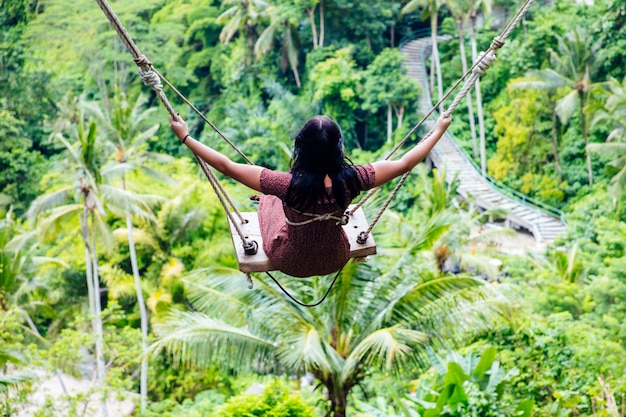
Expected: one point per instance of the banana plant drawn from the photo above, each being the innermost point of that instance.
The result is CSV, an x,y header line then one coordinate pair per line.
x,y
461,379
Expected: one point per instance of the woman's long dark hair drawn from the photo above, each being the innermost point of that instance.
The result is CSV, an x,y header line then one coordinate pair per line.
x,y
318,152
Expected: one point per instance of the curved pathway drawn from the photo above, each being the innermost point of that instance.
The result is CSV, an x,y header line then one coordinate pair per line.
x,y
543,222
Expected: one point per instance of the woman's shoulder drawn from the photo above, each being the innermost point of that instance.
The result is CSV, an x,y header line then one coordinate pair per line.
x,y
366,175
275,182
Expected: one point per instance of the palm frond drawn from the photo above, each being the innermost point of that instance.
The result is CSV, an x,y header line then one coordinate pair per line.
x,y
608,149
119,283
567,106
412,6
388,346
124,202
15,381
48,201
304,348
264,43
140,237
58,218
196,339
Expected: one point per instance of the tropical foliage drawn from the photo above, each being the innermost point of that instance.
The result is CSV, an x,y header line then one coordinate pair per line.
x,y
116,261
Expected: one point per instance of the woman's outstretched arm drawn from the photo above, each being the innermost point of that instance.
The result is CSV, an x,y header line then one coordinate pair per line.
x,y
249,175
388,170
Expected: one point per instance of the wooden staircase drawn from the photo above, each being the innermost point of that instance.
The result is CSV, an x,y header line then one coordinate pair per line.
x,y
543,222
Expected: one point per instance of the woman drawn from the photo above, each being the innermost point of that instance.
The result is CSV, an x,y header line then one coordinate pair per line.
x,y
321,181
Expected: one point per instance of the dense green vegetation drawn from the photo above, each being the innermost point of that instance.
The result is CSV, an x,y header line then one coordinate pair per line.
x,y
116,263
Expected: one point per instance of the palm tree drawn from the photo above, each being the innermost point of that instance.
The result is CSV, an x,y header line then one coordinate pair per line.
x,y
572,66
468,247
22,289
127,143
282,18
459,9
242,17
550,102
613,114
485,6
384,316
84,161
310,6
431,9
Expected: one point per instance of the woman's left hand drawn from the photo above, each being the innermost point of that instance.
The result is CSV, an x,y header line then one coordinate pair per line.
x,y
179,127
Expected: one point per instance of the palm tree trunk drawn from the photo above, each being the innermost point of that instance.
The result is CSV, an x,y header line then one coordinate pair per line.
x,y
338,402
321,41
399,116
100,331
143,312
93,295
479,101
296,75
470,107
436,64
389,123
555,145
583,125
311,13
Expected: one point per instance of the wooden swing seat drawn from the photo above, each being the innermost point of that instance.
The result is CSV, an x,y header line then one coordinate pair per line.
x,y
261,263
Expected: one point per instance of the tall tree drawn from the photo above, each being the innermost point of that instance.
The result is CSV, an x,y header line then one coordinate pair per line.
x,y
336,82
127,140
613,114
573,65
310,7
459,9
242,17
284,20
84,161
430,10
386,84
485,7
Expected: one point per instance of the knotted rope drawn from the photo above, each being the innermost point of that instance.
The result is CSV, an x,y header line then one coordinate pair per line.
x,y
484,60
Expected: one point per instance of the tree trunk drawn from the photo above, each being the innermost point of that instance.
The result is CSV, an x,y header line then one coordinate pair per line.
x,y
100,331
296,75
389,123
470,107
93,294
479,101
583,126
555,145
321,41
143,312
435,60
338,402
399,116
311,13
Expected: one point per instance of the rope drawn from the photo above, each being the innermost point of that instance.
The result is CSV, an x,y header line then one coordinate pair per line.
x,y
484,60
223,198
152,79
292,297
343,220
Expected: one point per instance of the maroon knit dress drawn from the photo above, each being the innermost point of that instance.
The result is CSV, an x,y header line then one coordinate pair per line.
x,y
317,248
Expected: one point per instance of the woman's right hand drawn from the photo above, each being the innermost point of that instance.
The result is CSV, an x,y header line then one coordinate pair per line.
x,y
443,122
179,127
